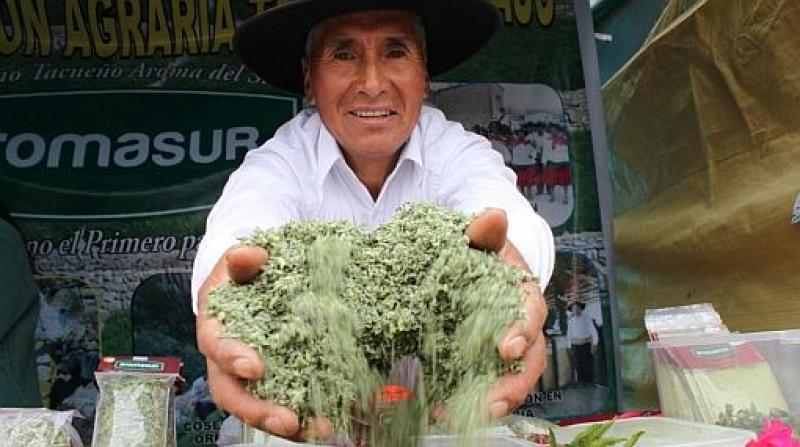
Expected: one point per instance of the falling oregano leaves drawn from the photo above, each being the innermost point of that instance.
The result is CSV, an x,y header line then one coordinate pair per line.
x,y
337,305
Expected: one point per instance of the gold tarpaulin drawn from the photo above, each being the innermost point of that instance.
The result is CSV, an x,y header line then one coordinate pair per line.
x,y
704,135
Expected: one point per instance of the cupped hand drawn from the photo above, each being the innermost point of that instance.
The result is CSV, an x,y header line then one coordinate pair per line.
x,y
229,361
524,340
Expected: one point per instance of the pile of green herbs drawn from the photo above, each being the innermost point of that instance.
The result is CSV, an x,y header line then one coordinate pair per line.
x,y
135,409
336,305
752,419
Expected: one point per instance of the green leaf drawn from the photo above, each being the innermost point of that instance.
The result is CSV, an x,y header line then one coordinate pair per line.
x,y
592,436
552,435
633,440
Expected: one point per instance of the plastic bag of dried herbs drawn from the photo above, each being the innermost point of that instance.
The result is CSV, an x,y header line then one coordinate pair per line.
x,y
38,427
135,410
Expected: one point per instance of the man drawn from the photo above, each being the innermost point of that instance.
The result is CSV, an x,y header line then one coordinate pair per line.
x,y
368,146
583,339
500,146
556,164
539,139
523,160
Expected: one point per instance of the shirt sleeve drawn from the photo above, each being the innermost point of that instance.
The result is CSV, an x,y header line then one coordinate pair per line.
x,y
263,193
476,179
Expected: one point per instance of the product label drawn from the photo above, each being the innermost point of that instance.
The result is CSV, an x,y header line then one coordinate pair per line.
x,y
134,365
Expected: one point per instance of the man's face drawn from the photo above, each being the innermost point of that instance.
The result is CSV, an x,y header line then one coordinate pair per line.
x,y
368,79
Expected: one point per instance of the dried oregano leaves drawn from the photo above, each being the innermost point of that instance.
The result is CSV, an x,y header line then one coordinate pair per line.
x,y
336,305
135,409
35,428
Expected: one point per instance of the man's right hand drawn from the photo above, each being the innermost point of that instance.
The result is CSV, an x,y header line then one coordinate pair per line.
x,y
230,361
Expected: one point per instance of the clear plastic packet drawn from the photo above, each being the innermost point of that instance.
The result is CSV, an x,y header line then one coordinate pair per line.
x,y
137,402
38,427
694,319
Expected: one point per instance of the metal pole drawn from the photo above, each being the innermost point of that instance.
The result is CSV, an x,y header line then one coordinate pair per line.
x,y
591,75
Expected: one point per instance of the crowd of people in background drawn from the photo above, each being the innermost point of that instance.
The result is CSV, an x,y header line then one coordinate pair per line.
x,y
537,152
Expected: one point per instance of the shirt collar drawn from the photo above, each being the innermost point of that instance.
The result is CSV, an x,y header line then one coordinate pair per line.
x,y
413,149
329,153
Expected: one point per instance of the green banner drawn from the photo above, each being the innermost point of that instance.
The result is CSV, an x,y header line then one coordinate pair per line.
x,y
110,142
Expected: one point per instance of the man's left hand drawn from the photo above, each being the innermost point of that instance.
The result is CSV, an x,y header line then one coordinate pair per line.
x,y
525,340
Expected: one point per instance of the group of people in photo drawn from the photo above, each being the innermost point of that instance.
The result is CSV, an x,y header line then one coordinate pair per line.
x,y
537,152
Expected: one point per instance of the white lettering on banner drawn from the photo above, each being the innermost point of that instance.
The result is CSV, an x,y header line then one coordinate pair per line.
x,y
171,153
85,241
133,149
48,72
9,76
79,144
13,149
194,148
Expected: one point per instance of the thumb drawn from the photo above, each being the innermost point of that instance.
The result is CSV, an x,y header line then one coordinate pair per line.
x,y
487,231
245,262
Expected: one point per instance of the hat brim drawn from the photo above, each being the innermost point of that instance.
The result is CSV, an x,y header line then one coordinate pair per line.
x,y
272,43
580,304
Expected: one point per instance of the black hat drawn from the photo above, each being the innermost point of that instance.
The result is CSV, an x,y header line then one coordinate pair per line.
x,y
273,42
580,304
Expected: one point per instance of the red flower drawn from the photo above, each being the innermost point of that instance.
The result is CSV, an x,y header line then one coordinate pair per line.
x,y
775,433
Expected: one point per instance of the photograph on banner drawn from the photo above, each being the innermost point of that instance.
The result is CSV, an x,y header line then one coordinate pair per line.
x,y
529,127
118,287
579,342
68,343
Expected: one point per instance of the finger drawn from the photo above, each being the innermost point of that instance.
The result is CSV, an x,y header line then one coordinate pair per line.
x,y
511,256
488,230
523,333
230,394
231,356
512,388
437,413
245,263
316,429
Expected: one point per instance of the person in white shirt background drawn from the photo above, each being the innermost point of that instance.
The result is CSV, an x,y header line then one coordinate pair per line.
x,y
555,157
523,160
540,139
583,340
500,146
365,147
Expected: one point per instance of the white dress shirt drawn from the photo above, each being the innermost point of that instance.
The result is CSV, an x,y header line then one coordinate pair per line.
x,y
300,175
555,152
523,154
580,329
